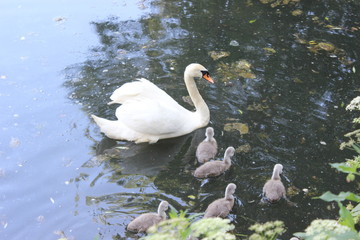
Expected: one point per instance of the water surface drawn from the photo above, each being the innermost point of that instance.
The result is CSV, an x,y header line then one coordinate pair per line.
x,y
60,175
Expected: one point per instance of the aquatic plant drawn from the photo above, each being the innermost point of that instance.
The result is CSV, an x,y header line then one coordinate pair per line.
x,y
323,229
267,231
181,227
345,227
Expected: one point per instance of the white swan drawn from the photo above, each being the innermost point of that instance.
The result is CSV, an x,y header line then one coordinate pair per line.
x,y
148,113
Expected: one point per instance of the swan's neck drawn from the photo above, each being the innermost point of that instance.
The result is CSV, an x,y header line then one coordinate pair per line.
x,y
201,108
161,213
228,196
276,174
227,160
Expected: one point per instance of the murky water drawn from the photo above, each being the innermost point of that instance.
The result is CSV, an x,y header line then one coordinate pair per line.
x,y
59,175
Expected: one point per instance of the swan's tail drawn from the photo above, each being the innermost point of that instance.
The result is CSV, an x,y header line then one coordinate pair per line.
x,y
118,131
108,127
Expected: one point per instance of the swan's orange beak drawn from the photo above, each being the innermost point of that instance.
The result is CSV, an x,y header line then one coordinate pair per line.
x,y
208,78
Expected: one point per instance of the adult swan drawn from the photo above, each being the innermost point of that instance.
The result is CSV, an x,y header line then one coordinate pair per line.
x,y
148,113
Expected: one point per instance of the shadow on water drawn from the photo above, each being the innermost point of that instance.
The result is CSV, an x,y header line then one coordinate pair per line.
x,y
291,100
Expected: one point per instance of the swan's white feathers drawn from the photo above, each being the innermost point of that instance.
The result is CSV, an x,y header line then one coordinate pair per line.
x,y
148,113
145,115
142,89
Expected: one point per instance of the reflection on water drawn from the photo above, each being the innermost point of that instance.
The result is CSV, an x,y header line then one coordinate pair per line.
x,y
292,104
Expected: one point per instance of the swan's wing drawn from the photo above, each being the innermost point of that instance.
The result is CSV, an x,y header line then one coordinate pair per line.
x,y
219,208
274,190
138,89
155,116
143,222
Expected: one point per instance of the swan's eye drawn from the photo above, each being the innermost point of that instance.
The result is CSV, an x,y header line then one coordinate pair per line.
x,y
206,76
205,73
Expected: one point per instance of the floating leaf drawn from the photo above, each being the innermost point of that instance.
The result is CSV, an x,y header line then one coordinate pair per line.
x,y
249,3
266,1
333,27
243,148
257,107
242,64
262,135
192,197
312,42
300,40
234,70
215,55
297,12
252,21
270,50
241,127
326,46
298,80
292,191
247,75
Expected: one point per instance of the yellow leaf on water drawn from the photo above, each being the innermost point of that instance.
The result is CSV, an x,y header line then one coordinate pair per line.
x,y
333,27
247,75
252,21
326,46
191,197
241,127
243,148
270,50
215,55
297,12
298,80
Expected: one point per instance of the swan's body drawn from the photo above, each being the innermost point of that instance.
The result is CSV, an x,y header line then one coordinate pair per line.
x,y
143,222
148,113
215,168
274,189
207,149
222,207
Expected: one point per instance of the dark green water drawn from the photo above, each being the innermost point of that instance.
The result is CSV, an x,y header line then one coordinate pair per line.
x,y
55,73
